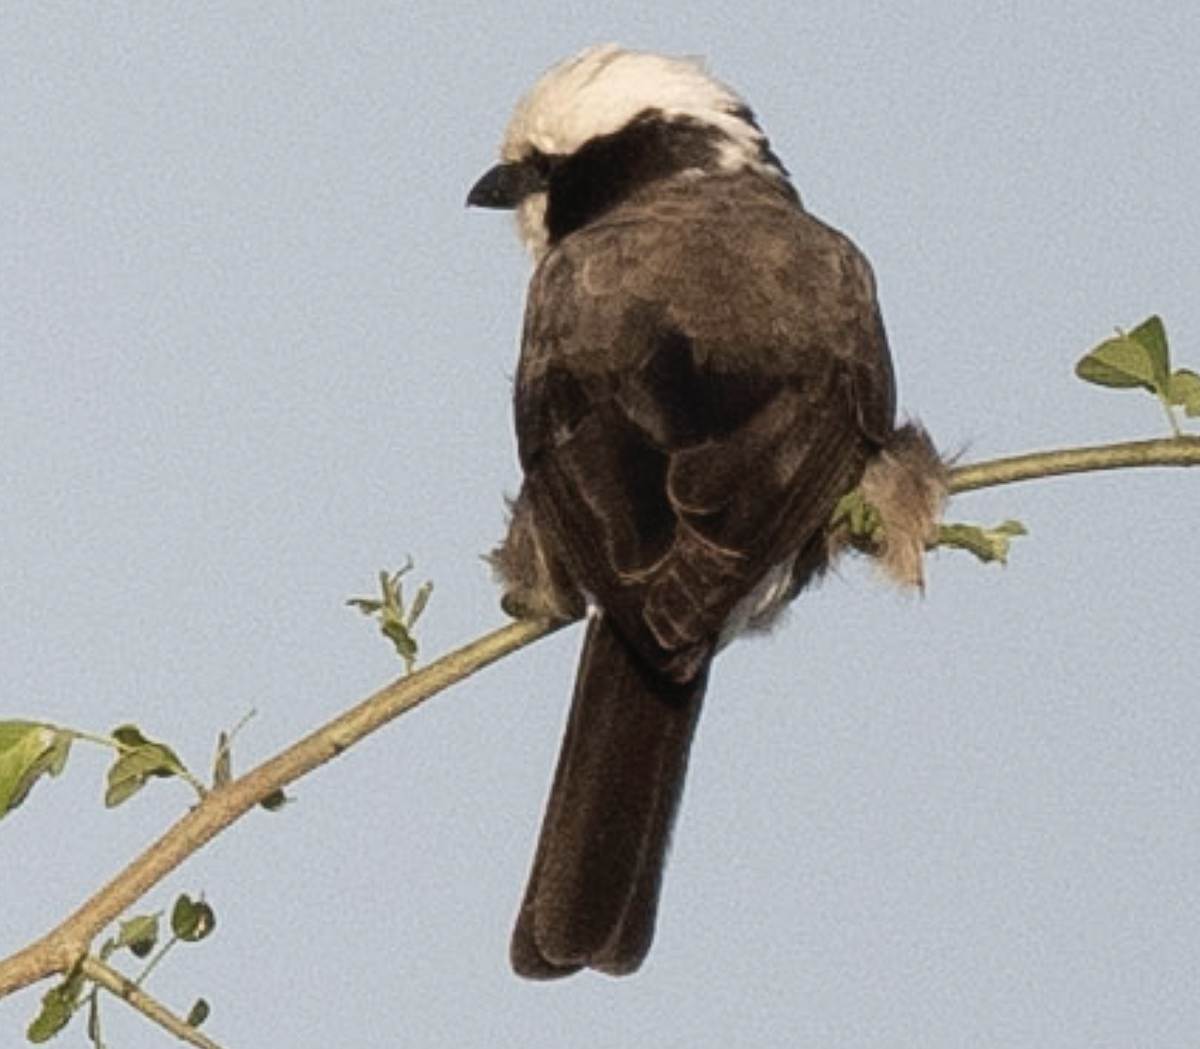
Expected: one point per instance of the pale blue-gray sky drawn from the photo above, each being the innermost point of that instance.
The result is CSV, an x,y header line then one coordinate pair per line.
x,y
253,348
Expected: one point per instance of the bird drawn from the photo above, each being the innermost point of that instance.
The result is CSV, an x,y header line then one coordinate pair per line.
x,y
704,375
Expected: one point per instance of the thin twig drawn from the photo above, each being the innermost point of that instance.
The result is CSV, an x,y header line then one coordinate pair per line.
x,y
1167,451
122,987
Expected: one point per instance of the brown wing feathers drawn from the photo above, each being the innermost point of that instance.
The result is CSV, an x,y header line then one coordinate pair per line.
x,y
677,447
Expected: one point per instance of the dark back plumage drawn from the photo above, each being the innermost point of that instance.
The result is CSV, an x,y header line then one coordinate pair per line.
x,y
696,353
703,375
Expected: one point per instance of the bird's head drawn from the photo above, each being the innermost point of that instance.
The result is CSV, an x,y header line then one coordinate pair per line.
x,y
604,124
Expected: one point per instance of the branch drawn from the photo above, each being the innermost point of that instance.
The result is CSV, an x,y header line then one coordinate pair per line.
x,y
66,946
1170,451
122,987
63,947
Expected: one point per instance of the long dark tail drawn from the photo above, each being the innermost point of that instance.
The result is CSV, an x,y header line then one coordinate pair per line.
x,y
593,891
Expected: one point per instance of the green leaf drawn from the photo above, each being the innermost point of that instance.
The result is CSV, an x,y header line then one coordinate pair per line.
x,y
129,736
987,544
863,521
1137,358
419,602
1121,363
192,920
400,637
55,1014
198,1013
395,621
1184,390
28,751
223,766
1151,335
138,934
275,801
140,759
58,1005
93,1021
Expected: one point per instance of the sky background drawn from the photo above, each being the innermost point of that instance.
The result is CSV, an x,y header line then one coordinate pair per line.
x,y
253,349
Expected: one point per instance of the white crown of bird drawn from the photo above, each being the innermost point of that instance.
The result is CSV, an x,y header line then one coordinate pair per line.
x,y
603,88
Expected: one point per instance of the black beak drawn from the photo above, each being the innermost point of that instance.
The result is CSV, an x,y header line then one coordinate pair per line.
x,y
505,186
